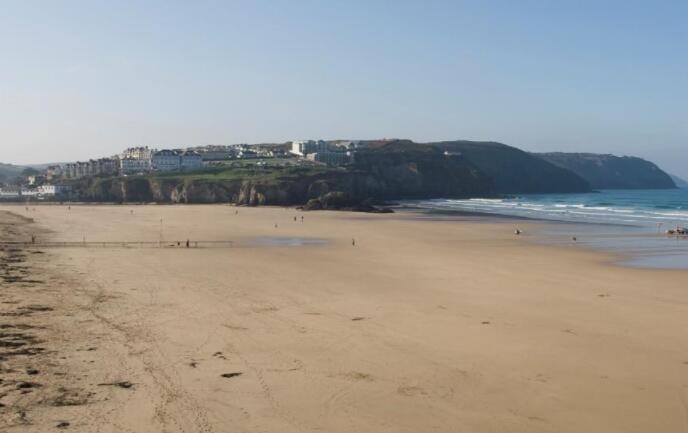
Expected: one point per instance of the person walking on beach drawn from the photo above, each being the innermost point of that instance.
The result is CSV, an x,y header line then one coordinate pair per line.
x,y
353,242
187,243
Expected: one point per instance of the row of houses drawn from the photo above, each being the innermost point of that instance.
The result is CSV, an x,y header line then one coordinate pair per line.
x,y
239,151
131,161
143,159
174,160
94,167
40,191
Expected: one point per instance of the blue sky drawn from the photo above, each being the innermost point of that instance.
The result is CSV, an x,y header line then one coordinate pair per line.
x,y
81,79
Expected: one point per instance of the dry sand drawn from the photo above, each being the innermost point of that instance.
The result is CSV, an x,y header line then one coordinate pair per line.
x,y
422,326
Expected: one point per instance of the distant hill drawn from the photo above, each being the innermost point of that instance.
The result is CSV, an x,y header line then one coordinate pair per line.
x,y
681,183
612,172
9,172
515,171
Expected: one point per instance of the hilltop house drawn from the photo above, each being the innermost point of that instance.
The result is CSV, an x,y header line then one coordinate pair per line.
x,y
138,153
94,167
303,148
191,160
174,160
134,165
166,160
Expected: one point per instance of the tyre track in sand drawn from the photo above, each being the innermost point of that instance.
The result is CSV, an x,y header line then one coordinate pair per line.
x,y
175,409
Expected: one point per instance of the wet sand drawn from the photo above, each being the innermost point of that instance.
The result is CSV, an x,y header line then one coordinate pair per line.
x,y
420,326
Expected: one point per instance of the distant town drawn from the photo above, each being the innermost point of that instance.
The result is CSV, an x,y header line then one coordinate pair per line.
x,y
53,181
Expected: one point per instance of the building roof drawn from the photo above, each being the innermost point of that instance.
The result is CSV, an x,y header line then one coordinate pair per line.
x,y
166,152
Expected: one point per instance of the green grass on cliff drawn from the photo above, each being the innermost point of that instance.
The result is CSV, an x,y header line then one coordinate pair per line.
x,y
250,171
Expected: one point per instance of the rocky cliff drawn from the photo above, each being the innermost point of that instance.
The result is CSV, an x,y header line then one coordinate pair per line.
x,y
376,176
612,172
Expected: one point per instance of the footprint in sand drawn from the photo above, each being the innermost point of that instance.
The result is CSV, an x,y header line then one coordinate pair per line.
x,y
355,376
411,391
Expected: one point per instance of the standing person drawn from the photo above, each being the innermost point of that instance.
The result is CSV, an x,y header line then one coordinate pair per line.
x,y
187,243
353,242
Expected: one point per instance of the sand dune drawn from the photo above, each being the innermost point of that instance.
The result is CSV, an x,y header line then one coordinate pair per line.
x,y
421,326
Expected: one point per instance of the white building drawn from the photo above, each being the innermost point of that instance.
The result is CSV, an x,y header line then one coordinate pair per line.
x,y
28,192
303,148
331,158
191,160
138,153
166,160
134,165
52,190
9,192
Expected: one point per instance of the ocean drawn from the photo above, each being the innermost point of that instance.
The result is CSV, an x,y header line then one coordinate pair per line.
x,y
631,222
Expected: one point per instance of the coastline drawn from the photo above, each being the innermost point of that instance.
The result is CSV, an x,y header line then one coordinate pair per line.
x,y
420,325
631,245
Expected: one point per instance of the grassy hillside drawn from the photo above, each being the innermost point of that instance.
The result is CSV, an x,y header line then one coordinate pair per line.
x,y
515,171
249,171
9,172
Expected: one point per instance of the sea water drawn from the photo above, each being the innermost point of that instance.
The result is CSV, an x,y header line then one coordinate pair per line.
x,y
632,222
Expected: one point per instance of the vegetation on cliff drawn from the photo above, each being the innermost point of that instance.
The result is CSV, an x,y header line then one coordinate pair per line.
x,y
612,172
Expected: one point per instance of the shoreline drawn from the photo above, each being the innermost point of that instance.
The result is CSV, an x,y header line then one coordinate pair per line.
x,y
593,236
419,325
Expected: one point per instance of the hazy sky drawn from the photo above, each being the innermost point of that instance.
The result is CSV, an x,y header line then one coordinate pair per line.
x,y
81,79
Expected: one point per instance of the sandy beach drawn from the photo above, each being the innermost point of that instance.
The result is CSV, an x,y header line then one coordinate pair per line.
x,y
377,323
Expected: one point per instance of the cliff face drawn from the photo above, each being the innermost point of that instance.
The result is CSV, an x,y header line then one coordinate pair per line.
x,y
612,172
